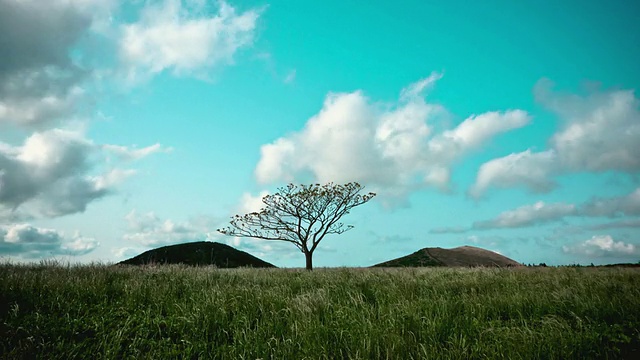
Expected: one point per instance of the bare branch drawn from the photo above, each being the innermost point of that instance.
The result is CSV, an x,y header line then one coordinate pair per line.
x,y
300,214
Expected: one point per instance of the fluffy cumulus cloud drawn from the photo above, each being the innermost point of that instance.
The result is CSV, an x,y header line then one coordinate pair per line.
x,y
394,146
54,173
599,132
49,79
602,246
33,242
46,74
183,38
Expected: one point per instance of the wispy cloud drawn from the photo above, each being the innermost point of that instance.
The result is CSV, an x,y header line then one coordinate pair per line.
x,y
628,223
132,153
528,215
290,77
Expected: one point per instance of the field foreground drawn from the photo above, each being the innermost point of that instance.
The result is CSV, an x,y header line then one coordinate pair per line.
x,y
164,312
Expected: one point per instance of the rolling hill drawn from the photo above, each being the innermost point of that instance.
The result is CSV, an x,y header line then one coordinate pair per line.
x,y
460,256
199,253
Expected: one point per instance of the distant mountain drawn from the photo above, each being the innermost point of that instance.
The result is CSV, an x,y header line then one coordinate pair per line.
x,y
460,256
199,253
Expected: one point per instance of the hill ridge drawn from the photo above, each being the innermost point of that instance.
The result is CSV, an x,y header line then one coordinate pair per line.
x,y
462,256
198,253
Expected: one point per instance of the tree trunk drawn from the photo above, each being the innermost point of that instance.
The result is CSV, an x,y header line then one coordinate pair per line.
x,y
308,255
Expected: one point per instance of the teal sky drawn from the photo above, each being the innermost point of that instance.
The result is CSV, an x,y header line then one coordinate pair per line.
x,y
512,126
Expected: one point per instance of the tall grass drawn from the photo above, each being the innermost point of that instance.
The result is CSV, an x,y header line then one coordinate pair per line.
x,y
163,312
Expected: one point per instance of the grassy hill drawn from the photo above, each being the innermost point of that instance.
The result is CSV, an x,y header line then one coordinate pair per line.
x,y
199,253
460,256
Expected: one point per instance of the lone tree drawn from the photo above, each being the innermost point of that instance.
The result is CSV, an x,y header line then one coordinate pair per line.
x,y
301,214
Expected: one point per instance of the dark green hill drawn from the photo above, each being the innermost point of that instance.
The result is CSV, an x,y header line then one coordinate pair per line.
x,y
199,253
460,256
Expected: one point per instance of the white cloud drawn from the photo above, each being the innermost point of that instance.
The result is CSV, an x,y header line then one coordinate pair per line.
x,y
170,37
125,252
129,153
147,230
488,242
150,230
476,130
540,212
600,132
250,203
628,223
79,245
628,205
383,145
268,250
31,242
523,216
528,215
35,110
449,230
531,169
417,89
54,173
602,246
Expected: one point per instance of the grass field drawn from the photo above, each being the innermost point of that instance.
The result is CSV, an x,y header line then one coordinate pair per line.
x,y
164,312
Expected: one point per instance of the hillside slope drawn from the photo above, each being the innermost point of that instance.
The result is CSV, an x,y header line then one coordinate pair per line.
x,y
460,256
199,253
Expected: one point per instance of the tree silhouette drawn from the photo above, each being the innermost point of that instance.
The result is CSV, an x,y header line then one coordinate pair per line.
x,y
301,214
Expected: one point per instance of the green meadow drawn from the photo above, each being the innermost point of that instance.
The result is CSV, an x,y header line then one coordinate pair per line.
x,y
53,311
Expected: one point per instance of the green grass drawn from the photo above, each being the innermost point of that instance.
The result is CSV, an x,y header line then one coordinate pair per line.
x,y
164,312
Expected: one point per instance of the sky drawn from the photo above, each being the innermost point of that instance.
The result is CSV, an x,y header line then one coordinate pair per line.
x,y
509,125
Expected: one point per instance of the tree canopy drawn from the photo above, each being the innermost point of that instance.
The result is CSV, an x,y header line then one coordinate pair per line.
x,y
301,214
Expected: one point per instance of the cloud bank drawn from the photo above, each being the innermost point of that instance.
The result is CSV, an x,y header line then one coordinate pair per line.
x,y
34,242
39,81
541,213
